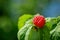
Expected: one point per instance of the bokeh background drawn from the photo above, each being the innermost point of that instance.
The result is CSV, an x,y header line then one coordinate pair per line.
x,y
11,10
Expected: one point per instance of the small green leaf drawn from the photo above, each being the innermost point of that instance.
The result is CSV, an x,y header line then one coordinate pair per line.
x,y
23,19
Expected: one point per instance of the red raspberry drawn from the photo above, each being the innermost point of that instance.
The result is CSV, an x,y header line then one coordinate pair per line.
x,y
39,21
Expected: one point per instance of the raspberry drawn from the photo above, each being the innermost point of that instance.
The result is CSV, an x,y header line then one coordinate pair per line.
x,y
39,21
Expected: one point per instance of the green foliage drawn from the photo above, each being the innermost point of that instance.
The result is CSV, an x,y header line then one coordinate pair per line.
x,y
22,31
23,19
28,32
50,31
55,33
51,23
39,34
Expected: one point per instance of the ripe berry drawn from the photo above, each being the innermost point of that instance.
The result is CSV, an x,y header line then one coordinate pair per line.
x,y
39,21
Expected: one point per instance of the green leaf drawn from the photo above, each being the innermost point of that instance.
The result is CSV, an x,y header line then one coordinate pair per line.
x,y
55,33
39,34
28,32
23,19
51,22
35,34
22,31
46,33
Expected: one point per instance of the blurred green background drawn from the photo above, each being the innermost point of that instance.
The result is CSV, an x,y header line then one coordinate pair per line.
x,y
11,10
